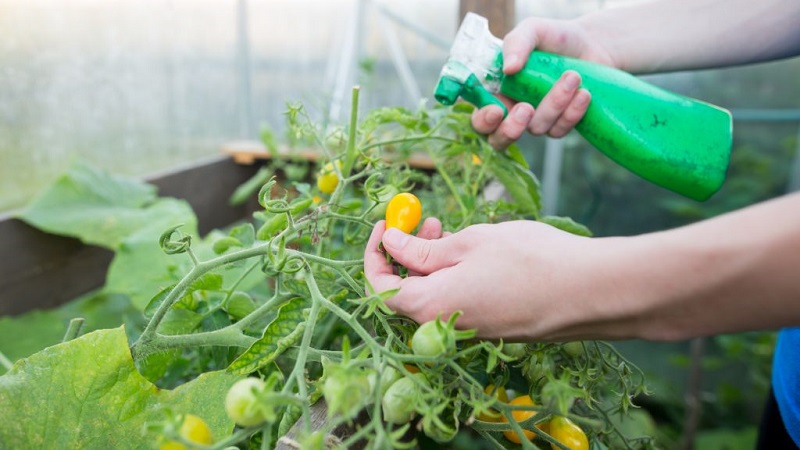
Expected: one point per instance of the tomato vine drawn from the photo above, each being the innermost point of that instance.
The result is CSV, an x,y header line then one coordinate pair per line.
x,y
314,330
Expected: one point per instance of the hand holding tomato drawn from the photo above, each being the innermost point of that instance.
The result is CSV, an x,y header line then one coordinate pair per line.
x,y
517,280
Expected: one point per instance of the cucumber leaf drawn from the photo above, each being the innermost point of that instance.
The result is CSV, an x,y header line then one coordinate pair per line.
x,y
86,393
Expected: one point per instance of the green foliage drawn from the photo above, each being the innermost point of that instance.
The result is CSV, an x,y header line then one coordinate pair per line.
x,y
86,393
280,301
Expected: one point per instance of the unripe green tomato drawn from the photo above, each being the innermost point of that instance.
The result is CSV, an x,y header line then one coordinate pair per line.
x,y
573,349
241,403
388,376
515,351
346,391
398,401
429,340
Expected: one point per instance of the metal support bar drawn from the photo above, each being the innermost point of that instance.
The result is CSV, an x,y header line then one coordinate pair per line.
x,y
246,120
399,59
551,176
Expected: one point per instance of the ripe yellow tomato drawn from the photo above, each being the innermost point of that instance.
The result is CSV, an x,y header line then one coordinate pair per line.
x,y
501,395
404,212
519,416
328,179
193,429
569,434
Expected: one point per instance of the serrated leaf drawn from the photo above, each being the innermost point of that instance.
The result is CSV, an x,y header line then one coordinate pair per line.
x,y
285,330
68,397
520,183
567,224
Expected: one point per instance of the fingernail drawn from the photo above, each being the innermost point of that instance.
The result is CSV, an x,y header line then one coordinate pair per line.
x,y
395,238
522,114
510,61
494,115
571,81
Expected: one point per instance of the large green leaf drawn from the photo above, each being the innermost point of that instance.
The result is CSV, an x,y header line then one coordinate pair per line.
x,y
102,209
86,394
25,335
284,331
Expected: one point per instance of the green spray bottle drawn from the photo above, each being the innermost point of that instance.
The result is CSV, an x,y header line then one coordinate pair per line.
x,y
676,142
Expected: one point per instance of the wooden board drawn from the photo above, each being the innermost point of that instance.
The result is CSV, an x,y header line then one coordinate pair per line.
x,y
248,152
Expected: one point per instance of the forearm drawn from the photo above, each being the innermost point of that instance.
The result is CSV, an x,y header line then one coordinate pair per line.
x,y
736,272
668,35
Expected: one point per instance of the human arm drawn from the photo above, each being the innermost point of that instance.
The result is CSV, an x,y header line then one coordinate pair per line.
x,y
646,37
525,280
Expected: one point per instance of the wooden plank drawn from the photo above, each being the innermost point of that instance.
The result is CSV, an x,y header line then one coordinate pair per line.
x,y
500,13
248,152
41,270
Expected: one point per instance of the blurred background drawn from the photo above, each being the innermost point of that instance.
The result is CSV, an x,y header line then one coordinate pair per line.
x,y
144,87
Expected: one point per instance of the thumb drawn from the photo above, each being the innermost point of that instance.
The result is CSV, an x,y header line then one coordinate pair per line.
x,y
420,255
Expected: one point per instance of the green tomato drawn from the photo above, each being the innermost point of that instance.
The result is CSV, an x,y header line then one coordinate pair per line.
x,y
346,390
515,351
388,376
241,403
398,401
432,339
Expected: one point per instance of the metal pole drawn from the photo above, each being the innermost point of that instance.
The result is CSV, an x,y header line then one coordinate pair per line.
x,y
246,122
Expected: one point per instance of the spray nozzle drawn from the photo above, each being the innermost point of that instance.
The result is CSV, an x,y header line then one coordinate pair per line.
x,y
473,70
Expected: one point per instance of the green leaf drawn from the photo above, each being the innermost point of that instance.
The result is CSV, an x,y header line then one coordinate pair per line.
x,y
24,335
515,153
251,186
86,393
284,331
520,183
101,209
567,224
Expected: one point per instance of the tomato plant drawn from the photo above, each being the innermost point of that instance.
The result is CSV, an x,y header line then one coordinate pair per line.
x,y
282,298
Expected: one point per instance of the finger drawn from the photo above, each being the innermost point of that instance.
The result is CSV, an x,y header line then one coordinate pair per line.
x,y
572,115
431,229
377,270
486,120
421,255
517,47
555,103
512,127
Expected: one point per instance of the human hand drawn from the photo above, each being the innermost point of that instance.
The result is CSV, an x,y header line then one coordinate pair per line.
x,y
566,103
518,280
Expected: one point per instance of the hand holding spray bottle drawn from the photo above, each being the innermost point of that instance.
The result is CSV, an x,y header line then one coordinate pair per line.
x,y
676,142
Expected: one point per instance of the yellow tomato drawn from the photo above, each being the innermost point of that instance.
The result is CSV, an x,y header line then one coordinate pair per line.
x,y
404,212
193,429
328,179
501,395
520,416
569,434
